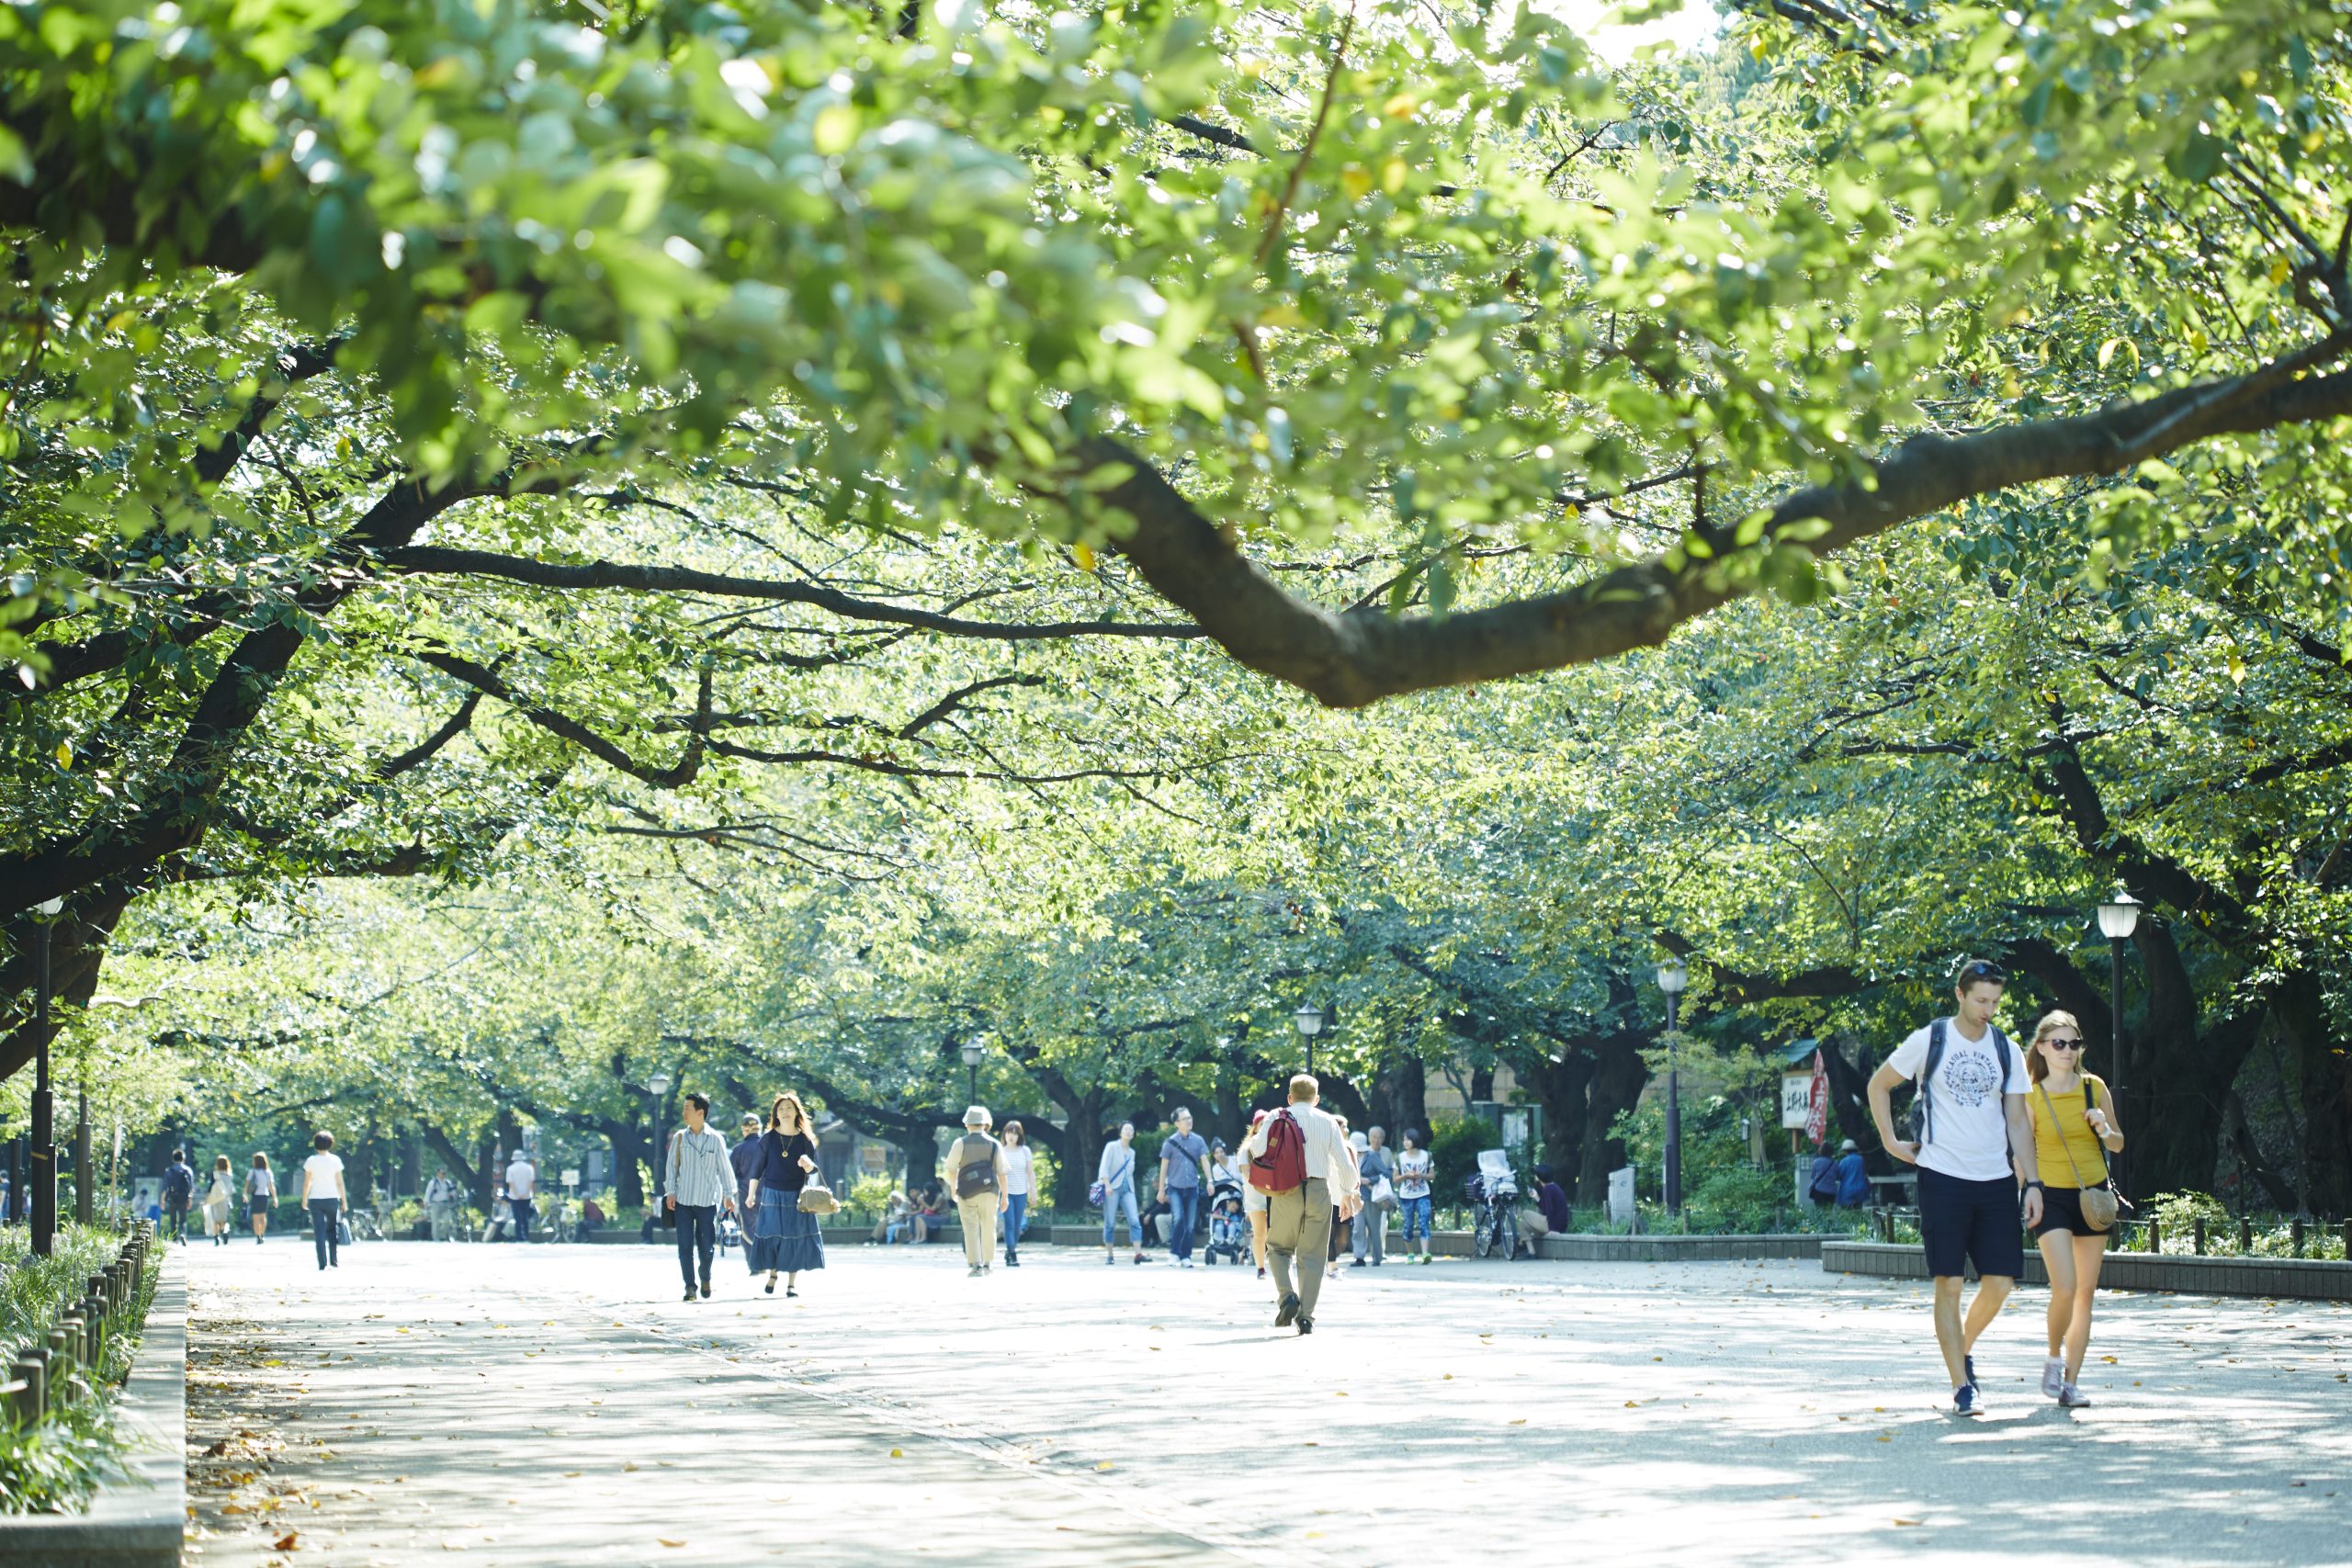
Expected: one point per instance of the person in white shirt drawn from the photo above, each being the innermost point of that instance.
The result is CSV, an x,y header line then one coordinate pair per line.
x,y
323,1198
1019,1181
1298,1223
1975,1145
522,1183
1115,1174
441,1198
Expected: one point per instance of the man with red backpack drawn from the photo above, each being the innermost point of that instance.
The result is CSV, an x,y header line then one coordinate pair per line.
x,y
1299,1158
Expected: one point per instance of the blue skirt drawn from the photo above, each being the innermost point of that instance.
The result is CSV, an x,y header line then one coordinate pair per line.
x,y
782,1240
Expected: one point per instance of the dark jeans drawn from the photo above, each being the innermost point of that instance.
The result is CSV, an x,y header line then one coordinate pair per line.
x,y
1183,1211
697,1232
176,1221
521,1209
324,1213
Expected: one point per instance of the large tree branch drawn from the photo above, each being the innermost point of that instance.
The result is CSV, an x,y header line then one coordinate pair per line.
x,y
1350,660
601,574
489,683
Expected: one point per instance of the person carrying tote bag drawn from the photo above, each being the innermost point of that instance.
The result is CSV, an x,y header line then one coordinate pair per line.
x,y
2073,1131
1115,1180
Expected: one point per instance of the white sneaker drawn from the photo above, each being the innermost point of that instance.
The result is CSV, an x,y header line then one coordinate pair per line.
x,y
2073,1398
2054,1375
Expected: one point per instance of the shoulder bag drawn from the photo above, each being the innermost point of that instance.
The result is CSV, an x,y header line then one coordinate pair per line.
x,y
2099,1204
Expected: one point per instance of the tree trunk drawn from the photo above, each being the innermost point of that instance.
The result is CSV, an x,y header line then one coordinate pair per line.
x,y
2249,1157
1618,1076
1562,1089
1231,1122
2323,1067
473,1170
1409,1101
1849,1107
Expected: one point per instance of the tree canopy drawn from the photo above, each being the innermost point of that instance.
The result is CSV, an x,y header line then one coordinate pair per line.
x,y
912,459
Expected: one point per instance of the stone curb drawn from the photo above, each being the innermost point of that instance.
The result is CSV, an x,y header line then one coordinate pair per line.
x,y
2295,1278
138,1519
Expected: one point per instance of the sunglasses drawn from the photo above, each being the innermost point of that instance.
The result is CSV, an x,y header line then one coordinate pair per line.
x,y
2062,1045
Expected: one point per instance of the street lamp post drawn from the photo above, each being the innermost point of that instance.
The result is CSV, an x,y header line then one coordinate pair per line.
x,y
973,1052
657,1084
2118,917
44,1150
1309,1020
1671,977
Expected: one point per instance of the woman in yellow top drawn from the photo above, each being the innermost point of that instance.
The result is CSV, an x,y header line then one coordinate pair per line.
x,y
2073,1131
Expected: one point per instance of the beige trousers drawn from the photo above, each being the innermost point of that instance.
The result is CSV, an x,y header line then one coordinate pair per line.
x,y
978,1213
1298,1226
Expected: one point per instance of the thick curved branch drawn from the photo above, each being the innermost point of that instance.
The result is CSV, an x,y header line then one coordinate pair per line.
x,y
1350,660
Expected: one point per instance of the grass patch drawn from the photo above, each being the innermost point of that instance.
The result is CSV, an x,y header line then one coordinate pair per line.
x,y
54,1467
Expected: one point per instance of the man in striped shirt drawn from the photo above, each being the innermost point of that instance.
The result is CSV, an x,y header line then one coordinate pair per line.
x,y
699,1180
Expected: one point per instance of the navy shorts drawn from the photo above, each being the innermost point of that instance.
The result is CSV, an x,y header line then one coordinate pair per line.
x,y
1966,1221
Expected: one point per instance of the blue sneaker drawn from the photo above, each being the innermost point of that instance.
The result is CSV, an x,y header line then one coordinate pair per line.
x,y
1963,1400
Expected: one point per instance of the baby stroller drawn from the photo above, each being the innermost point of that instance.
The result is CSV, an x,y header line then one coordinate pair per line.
x,y
1228,1226
1494,1217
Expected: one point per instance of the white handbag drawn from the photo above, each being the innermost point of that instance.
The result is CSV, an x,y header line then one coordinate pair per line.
x,y
1384,1196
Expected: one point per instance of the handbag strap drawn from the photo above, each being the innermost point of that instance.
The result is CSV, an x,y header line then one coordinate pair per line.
x,y
2061,1132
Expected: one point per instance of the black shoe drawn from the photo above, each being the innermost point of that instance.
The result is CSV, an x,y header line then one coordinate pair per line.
x,y
1289,1311
1012,1263
706,1292
771,1290
1306,1325
690,1293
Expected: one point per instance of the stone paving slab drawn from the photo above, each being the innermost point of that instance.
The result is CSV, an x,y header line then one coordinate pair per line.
x,y
1757,1412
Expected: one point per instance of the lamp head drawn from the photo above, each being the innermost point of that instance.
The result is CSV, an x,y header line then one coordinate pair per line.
x,y
1309,1020
1672,976
657,1083
2119,917
973,1051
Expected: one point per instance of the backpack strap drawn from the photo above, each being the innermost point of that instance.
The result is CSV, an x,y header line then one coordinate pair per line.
x,y
1927,1099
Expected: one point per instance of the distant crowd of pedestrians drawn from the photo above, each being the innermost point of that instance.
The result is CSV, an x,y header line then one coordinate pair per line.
x,y
1995,1132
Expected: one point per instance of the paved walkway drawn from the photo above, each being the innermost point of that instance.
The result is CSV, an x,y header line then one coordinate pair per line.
x,y
560,1405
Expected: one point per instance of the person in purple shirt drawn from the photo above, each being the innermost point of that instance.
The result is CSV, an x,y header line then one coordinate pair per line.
x,y
1552,1200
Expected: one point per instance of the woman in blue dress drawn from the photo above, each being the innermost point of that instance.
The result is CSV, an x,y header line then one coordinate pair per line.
x,y
783,1240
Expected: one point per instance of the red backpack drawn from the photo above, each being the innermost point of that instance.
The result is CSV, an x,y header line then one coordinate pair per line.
x,y
1282,1168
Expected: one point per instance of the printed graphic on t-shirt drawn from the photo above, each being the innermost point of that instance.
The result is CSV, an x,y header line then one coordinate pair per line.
x,y
1968,1078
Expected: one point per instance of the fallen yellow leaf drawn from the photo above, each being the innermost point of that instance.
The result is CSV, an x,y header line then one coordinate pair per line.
x,y
1520,1422
1907,1521
666,1541
286,1543
1105,1464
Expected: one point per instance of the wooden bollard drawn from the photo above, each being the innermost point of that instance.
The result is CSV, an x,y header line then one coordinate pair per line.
x,y
2155,1235
2198,1232
2295,1235
31,1402
2245,1236
65,1348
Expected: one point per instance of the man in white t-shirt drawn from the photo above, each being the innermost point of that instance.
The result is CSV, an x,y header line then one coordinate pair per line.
x,y
1975,1146
522,1183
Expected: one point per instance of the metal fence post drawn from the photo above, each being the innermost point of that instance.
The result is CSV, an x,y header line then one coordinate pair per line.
x,y
2245,1236
2295,1235
2198,1232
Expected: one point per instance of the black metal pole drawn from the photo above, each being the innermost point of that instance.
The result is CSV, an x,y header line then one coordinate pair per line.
x,y
972,1084
82,1181
44,1150
1673,1111
2115,1048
